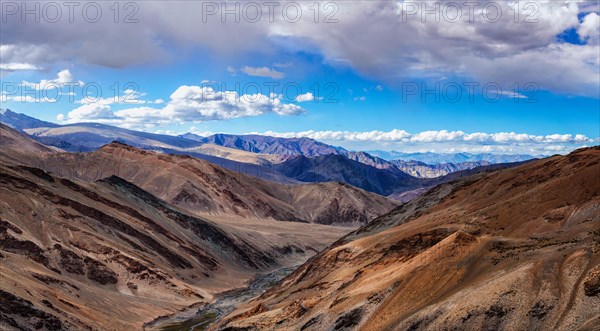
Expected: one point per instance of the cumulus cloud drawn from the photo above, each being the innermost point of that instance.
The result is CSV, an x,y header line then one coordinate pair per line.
x,y
433,136
262,72
89,113
63,78
305,97
444,141
186,104
590,28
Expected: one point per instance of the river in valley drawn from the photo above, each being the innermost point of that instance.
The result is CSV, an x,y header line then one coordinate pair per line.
x,y
195,319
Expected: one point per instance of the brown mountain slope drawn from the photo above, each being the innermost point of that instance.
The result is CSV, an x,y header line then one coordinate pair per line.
x,y
110,256
517,249
206,189
16,146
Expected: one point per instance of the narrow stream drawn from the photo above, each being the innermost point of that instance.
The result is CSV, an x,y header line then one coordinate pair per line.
x,y
195,319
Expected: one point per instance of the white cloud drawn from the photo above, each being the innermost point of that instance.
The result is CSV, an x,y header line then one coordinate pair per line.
x,y
433,136
63,78
167,132
14,66
88,113
186,104
590,28
513,94
197,132
262,72
305,97
360,99
444,141
231,70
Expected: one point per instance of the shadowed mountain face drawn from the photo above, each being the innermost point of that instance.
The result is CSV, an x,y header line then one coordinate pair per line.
x,y
514,249
339,168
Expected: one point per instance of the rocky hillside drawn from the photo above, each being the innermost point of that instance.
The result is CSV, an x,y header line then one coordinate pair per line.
x,y
205,188
514,249
78,242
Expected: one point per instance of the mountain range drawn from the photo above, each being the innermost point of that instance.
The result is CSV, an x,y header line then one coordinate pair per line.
x,y
269,145
283,160
125,235
205,188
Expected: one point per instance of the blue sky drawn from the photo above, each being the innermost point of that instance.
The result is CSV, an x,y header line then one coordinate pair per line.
x,y
391,84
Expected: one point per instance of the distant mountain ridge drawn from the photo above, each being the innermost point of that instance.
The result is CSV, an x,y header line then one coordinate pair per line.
x,y
282,160
439,158
312,148
201,187
22,121
269,145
